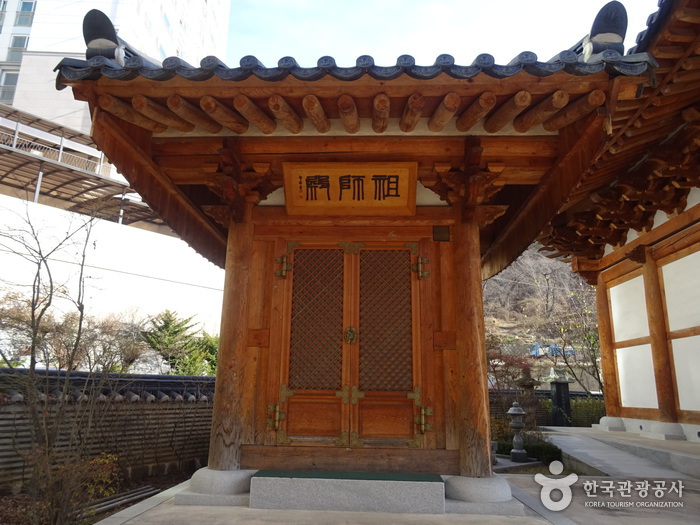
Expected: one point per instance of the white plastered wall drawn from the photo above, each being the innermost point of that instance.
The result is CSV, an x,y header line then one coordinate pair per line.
x,y
682,284
635,367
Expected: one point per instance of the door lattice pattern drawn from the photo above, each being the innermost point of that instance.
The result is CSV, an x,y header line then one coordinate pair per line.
x,y
386,360
315,354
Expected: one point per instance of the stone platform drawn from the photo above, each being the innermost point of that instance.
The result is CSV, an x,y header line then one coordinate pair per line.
x,y
348,491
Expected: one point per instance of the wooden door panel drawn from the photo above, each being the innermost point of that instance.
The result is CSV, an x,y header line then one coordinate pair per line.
x,y
312,416
385,418
349,391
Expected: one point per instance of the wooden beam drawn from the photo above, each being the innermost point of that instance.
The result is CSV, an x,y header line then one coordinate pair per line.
x,y
660,348
581,143
193,114
254,114
576,110
507,112
223,114
285,114
315,114
607,350
159,113
118,144
444,112
124,111
541,112
412,112
348,114
368,459
476,111
381,104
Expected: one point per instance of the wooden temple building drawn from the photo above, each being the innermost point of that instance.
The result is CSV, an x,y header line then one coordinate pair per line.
x,y
356,211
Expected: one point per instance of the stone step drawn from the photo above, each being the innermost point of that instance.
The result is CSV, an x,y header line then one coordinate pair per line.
x,y
348,491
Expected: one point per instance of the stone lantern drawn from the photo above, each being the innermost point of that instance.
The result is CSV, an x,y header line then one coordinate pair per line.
x,y
518,454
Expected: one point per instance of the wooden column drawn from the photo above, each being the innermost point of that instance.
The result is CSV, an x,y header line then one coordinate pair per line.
x,y
660,349
473,423
607,351
234,396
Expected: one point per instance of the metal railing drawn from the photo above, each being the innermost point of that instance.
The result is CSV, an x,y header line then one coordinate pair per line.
x,y
48,152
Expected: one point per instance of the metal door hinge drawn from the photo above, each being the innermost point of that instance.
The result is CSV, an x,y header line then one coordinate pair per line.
x,y
284,267
277,416
425,427
418,267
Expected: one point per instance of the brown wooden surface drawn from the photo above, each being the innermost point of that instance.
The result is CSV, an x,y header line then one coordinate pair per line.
x,y
576,110
192,113
315,113
415,461
476,111
412,112
381,105
578,146
130,146
378,417
444,112
660,348
121,109
472,416
223,114
348,114
160,113
254,114
607,351
541,112
233,418
507,111
285,114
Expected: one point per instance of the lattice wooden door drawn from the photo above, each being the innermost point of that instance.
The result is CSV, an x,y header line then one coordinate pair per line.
x,y
350,373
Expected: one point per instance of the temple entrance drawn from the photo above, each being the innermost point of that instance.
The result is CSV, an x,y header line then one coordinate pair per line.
x,y
350,366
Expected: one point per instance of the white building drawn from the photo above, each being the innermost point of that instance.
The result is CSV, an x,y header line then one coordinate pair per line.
x,y
34,37
37,34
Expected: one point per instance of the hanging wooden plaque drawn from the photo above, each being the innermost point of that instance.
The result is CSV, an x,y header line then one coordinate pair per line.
x,y
350,188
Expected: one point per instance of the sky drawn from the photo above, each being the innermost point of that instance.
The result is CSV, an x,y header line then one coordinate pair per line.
x,y
386,29
133,271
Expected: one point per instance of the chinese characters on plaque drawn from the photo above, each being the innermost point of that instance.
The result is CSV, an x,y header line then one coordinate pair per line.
x,y
366,188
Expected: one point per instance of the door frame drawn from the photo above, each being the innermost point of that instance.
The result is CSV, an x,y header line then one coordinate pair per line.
x,y
422,395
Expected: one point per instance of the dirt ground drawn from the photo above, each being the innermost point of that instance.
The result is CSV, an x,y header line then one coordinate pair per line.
x,y
14,509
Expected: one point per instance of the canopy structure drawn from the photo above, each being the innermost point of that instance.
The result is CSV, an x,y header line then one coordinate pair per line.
x,y
44,161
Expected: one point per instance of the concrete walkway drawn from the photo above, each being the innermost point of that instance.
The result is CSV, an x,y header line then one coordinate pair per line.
x,y
621,457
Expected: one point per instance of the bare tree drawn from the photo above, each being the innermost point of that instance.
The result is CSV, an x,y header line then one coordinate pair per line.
x,y
550,304
47,316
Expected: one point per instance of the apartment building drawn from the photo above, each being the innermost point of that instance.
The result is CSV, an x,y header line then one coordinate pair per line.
x,y
36,34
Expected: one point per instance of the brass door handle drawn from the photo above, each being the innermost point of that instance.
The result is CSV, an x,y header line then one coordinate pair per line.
x,y
350,335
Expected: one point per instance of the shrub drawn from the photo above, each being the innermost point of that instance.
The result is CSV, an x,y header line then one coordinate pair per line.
x,y
536,446
586,410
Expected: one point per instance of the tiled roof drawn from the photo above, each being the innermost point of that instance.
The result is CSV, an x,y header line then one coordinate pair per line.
x,y
568,61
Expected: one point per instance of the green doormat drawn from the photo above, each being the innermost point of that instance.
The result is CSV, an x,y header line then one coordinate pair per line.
x,y
381,476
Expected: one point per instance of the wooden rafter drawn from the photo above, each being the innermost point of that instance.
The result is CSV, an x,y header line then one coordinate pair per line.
x,y
550,194
163,196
